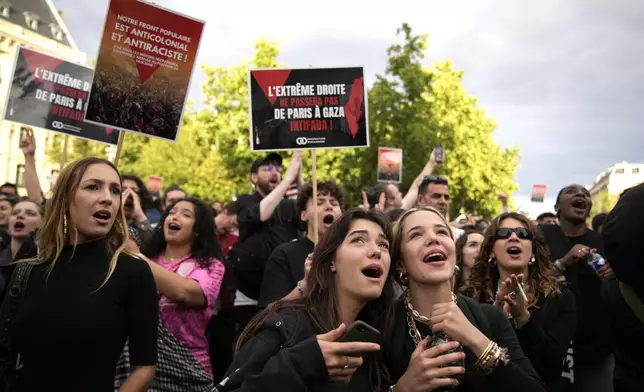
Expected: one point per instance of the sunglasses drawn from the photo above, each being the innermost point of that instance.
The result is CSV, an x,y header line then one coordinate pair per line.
x,y
506,232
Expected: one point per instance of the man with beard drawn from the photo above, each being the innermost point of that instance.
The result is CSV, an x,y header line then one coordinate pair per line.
x,y
285,272
433,191
589,366
266,220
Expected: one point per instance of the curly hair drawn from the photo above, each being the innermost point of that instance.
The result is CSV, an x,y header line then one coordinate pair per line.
x,y
542,277
204,246
144,193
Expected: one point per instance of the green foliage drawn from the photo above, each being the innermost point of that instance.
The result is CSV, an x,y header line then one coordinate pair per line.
x,y
76,149
603,202
415,108
410,107
191,162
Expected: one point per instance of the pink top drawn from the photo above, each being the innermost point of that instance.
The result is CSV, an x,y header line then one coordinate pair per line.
x,y
188,325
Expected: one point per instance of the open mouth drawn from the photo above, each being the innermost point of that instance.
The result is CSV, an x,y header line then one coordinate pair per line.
x,y
514,250
328,219
174,227
434,257
129,202
102,216
579,203
373,271
19,225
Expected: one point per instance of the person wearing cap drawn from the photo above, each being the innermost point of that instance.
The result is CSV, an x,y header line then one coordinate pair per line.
x,y
266,220
624,295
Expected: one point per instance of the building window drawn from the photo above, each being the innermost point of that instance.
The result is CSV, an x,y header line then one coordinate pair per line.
x,y
619,171
56,32
32,20
636,170
20,176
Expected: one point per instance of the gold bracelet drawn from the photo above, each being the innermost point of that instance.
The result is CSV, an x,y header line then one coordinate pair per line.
x,y
487,350
489,357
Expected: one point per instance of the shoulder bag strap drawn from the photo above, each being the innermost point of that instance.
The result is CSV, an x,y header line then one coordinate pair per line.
x,y
11,304
632,300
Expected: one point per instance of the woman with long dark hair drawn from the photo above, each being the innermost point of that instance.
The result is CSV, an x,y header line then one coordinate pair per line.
x,y
292,345
184,257
83,297
468,247
514,262
442,340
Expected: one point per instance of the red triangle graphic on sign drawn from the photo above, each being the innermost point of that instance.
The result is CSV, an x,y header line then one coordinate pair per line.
x,y
38,60
269,78
353,107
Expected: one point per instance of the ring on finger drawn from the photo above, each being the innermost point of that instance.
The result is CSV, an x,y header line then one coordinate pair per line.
x,y
346,365
513,294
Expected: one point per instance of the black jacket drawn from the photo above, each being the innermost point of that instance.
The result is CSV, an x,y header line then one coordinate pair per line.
x,y
546,337
284,355
518,375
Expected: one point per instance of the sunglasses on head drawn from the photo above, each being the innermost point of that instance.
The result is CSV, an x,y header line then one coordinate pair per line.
x,y
521,232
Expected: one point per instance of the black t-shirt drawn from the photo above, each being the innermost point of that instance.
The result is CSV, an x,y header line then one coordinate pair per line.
x,y
284,269
70,335
258,239
592,338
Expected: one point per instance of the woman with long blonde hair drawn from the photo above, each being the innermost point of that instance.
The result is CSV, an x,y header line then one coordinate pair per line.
x,y
81,298
442,340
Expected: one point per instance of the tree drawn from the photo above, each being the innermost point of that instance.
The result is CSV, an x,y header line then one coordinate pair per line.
x,y
228,124
191,162
77,148
416,108
603,202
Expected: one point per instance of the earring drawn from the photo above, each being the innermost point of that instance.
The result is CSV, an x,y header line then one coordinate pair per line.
x,y
403,278
492,261
532,260
457,268
65,224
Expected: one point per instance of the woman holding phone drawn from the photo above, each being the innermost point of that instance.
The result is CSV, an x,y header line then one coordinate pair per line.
x,y
441,340
294,345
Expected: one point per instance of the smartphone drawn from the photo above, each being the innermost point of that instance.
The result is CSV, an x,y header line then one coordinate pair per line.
x,y
439,154
360,331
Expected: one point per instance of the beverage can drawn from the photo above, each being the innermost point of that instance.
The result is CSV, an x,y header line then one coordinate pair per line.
x,y
596,261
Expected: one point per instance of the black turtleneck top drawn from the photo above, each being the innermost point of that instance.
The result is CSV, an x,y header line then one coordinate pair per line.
x,y
70,335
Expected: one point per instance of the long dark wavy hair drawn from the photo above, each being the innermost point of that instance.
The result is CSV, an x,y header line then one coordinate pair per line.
x,y
204,246
460,244
485,275
321,303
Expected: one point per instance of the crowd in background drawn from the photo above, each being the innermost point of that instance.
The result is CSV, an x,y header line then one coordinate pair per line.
x,y
168,292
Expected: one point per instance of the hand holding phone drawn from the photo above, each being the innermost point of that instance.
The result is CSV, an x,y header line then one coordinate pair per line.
x,y
439,154
360,331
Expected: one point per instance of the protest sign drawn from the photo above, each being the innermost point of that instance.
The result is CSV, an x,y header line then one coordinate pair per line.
x,y
293,109
50,93
389,165
155,183
538,193
143,69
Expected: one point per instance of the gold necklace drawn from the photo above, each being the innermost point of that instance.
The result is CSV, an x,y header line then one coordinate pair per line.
x,y
413,316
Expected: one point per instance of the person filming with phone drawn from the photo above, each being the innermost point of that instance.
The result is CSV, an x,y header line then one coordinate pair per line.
x,y
329,339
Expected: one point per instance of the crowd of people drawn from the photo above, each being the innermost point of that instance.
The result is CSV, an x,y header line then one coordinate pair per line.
x,y
106,286
144,111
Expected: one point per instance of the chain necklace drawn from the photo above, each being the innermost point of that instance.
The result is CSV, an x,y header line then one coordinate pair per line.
x,y
413,316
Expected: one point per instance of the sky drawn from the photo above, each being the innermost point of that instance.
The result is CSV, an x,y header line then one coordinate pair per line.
x,y
564,79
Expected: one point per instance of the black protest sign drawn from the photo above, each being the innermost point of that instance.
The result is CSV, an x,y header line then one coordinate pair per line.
x,y
310,108
50,93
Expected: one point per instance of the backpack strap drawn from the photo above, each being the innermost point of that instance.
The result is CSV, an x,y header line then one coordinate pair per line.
x,y
11,305
632,300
